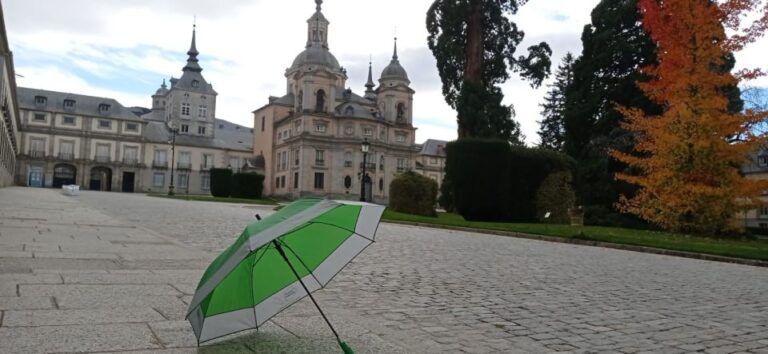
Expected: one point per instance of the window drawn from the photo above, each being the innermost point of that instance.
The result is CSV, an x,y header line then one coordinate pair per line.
x,y
296,157
433,160
762,161
319,157
158,180
37,147
205,182
368,131
321,127
234,162
201,130
195,83
349,111
381,162
297,126
381,184
68,120
347,159
277,182
185,160
263,120
763,212
105,124
282,181
161,157
183,180
347,182
185,128
41,100
401,164
320,101
39,117
202,111
319,180
69,104
207,161
103,153
400,138
66,150
185,109
295,180
103,108
132,127
130,154
349,130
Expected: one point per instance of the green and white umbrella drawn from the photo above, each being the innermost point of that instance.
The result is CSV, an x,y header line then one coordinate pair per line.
x,y
278,261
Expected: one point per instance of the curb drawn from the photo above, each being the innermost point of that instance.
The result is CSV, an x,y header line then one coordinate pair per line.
x,y
634,248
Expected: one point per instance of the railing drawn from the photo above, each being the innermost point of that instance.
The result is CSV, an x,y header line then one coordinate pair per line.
x,y
66,156
130,161
369,166
319,162
159,164
347,163
184,165
38,154
205,167
102,158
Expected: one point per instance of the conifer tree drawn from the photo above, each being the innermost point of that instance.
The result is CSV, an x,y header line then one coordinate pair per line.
x,y
552,127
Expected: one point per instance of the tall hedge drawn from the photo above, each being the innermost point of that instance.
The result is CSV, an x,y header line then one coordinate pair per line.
x,y
247,185
493,181
555,196
413,193
221,180
479,173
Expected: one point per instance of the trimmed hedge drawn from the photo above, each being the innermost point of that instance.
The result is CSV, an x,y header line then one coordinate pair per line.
x,y
247,185
413,193
555,195
493,181
221,180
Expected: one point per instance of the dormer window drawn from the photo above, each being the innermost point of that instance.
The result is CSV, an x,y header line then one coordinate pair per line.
x,y
41,100
195,83
103,108
69,104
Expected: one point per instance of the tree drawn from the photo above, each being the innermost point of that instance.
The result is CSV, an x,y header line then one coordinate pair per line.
x,y
686,159
552,129
474,43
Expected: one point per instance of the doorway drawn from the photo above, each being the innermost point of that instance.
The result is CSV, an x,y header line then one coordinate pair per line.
x,y
128,182
101,179
64,174
35,177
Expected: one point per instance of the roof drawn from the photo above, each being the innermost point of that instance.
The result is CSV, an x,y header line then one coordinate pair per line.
x,y
84,105
433,147
316,55
231,136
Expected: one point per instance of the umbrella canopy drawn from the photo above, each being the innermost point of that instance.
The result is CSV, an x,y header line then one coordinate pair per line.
x,y
308,241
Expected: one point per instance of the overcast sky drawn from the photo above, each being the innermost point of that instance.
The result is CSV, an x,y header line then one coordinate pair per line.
x,y
124,49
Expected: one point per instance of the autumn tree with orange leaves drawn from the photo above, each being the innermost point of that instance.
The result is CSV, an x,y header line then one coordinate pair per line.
x,y
686,160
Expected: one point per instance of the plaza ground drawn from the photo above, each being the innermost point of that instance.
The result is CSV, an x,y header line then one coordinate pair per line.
x,y
109,272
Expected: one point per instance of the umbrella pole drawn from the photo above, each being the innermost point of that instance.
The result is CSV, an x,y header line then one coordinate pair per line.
x,y
343,345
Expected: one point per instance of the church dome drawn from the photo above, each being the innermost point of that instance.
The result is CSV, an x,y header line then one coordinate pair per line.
x,y
394,71
316,55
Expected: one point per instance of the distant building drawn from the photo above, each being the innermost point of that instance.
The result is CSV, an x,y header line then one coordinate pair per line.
x,y
9,112
757,168
99,144
430,161
310,138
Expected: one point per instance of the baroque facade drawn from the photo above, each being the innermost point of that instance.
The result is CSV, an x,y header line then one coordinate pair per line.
x,y
99,144
9,113
311,137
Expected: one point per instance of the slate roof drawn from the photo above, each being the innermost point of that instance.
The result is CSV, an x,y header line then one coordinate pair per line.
x,y
84,105
431,147
230,136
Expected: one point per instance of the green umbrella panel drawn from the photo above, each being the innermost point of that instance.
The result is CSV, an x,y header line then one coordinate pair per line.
x,y
250,282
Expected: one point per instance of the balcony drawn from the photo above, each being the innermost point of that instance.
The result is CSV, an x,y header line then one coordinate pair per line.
x,y
159,164
184,165
102,158
205,167
369,166
68,156
319,162
37,154
130,161
347,163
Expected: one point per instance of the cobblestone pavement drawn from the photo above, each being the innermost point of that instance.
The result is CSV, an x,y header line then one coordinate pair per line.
x,y
415,290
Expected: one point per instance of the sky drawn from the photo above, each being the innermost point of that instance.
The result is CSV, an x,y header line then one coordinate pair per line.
x,y
124,49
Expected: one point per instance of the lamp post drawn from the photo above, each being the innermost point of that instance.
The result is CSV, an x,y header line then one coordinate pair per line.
x,y
366,145
174,132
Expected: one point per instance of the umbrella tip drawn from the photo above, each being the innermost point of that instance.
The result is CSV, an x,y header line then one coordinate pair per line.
x,y
258,217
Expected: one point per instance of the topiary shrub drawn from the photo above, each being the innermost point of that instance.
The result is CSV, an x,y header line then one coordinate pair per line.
x,y
221,181
555,195
446,195
413,193
529,168
479,172
247,185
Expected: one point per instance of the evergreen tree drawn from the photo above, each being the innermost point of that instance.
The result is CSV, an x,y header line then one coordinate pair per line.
x,y
474,43
552,129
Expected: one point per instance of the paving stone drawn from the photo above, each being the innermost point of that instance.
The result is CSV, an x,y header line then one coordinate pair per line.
x,y
33,318
76,255
106,290
76,338
26,303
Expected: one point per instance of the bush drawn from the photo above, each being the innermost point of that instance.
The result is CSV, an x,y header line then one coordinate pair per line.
x,y
413,193
479,174
247,185
555,195
221,180
446,195
529,168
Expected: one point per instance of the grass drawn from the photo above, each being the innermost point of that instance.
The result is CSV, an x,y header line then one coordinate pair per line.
x,y
738,248
208,198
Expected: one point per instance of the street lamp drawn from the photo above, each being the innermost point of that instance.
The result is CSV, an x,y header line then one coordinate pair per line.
x,y
174,132
366,145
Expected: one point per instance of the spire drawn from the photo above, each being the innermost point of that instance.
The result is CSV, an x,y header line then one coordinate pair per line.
x,y
319,5
370,85
163,85
394,55
192,64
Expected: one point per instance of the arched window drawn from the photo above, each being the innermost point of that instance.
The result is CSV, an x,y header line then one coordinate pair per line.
x,y
320,101
347,182
347,159
195,83
381,184
400,111
301,100
349,111
381,162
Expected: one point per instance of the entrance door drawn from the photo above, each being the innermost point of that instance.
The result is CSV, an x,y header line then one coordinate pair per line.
x,y
367,188
128,181
64,174
101,179
36,177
